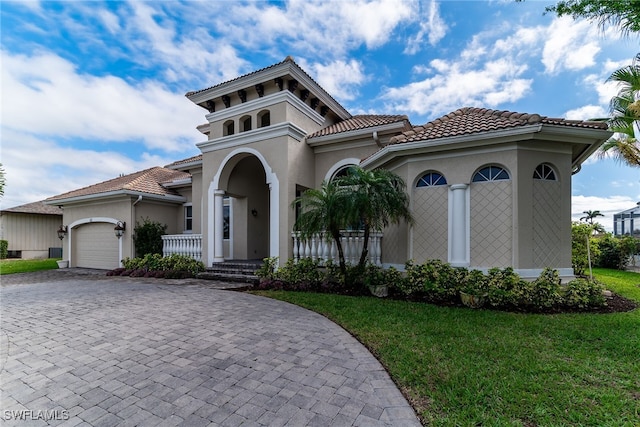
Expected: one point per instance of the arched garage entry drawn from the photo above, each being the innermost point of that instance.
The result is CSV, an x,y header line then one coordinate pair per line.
x,y
94,244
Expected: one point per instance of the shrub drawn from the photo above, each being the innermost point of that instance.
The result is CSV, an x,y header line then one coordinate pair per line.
x,y
579,251
583,294
148,237
434,280
267,270
155,263
505,288
375,275
4,249
614,252
302,274
545,291
473,282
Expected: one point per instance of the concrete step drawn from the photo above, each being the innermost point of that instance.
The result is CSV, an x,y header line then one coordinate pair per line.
x,y
232,271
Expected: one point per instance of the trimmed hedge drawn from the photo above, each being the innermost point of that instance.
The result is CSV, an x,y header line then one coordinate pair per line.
x,y
438,282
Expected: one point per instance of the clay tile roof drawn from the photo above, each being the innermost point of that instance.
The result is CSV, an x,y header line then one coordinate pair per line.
x,y
471,120
35,208
358,122
193,159
146,181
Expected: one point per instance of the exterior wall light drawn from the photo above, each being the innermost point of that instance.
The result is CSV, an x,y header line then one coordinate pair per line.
x,y
62,231
119,229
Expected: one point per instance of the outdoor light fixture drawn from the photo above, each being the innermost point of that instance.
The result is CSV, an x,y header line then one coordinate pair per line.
x,y
119,229
62,231
254,212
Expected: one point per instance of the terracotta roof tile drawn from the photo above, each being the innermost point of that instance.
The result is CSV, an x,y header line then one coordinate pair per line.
x,y
193,159
359,122
146,181
39,208
471,120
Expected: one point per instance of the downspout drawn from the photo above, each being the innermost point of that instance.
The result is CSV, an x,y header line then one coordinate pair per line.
x,y
133,218
376,138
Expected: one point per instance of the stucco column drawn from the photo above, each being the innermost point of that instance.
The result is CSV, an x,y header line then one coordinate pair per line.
x,y
218,228
458,226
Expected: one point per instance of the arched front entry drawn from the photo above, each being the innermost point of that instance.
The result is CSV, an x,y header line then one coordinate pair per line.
x,y
247,185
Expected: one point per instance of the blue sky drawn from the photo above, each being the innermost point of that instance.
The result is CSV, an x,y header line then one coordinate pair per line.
x,y
92,89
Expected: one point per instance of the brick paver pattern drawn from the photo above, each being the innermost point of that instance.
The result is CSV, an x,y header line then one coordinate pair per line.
x,y
105,351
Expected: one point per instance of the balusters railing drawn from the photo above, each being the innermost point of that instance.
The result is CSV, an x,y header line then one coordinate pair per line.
x,y
323,248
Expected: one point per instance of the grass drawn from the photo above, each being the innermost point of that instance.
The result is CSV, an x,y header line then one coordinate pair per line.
x,y
460,366
11,266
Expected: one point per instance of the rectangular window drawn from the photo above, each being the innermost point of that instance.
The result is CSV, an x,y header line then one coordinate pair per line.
x,y
188,218
225,221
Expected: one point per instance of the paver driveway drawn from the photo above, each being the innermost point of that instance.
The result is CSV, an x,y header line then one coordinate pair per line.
x,y
92,350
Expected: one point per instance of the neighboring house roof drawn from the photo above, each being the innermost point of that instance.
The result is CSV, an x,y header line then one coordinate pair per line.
x,y
470,120
36,208
147,181
359,122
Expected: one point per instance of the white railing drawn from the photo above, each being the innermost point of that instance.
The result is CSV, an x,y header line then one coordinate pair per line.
x,y
323,248
182,244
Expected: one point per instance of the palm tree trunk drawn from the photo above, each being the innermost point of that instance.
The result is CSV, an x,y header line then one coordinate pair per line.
x,y
365,245
343,265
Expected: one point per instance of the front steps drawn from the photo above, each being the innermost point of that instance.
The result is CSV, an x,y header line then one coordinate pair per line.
x,y
243,271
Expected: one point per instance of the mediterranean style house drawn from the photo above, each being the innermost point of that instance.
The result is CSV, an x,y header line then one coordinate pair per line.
x,y
488,188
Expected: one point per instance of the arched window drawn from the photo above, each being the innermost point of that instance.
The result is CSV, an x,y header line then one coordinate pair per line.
x,y
264,118
343,171
491,173
228,128
431,179
245,122
544,172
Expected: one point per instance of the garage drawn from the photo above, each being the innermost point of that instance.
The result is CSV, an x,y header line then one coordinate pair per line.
x,y
95,246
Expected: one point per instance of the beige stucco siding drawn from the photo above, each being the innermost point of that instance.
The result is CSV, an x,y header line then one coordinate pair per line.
x,y
170,214
430,229
118,208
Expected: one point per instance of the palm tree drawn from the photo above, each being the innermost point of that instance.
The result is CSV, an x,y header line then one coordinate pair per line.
x,y
378,198
323,210
625,115
370,199
590,215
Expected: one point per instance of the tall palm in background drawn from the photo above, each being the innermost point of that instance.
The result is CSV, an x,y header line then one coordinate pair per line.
x,y
590,216
625,116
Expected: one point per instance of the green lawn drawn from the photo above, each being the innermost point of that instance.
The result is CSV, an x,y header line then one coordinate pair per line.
x,y
10,266
461,366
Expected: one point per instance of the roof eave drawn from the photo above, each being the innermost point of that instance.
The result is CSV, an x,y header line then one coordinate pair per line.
x,y
350,134
116,193
286,67
391,151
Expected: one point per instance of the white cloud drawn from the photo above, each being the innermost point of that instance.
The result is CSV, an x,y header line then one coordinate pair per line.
x,y
341,79
606,205
586,112
432,25
570,45
37,168
457,84
50,97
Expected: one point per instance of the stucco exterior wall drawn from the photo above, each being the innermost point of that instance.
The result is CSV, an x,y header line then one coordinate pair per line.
x,y
116,208
160,212
32,234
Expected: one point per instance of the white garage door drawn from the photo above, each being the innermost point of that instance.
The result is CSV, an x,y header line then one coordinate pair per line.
x,y
96,246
